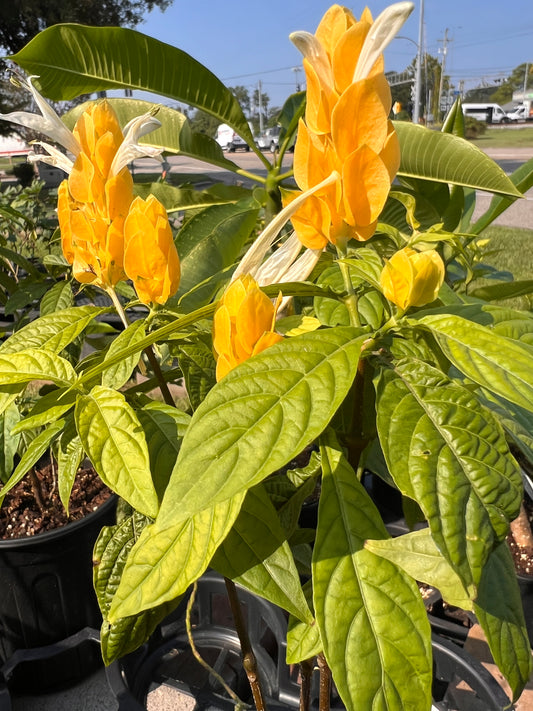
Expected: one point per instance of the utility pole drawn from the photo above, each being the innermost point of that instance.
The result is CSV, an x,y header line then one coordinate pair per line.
x,y
260,105
525,80
418,75
442,67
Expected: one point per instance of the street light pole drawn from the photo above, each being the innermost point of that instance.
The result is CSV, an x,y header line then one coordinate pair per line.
x,y
418,75
442,69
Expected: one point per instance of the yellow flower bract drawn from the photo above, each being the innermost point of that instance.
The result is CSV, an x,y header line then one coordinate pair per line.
x,y
346,129
243,324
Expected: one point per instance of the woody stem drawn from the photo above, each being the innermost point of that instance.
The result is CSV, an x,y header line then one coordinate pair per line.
x,y
167,396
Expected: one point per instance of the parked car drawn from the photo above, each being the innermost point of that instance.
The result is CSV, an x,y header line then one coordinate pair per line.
x,y
229,140
269,139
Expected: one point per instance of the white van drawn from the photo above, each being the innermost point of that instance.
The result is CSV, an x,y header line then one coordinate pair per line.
x,y
228,140
491,113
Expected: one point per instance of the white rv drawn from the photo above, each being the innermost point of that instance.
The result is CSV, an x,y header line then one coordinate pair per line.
x,y
491,113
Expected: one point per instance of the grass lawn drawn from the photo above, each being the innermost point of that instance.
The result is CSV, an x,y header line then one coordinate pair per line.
x,y
497,137
510,249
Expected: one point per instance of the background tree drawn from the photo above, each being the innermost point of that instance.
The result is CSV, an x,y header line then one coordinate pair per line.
x,y
21,20
201,122
514,82
242,95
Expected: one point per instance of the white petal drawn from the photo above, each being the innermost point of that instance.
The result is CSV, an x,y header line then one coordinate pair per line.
x,y
253,258
53,157
315,54
130,149
383,30
49,123
274,268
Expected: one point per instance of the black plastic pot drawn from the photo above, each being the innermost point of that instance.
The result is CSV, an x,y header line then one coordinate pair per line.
x,y
166,666
47,596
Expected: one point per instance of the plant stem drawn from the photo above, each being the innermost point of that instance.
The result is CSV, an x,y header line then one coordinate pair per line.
x,y
249,661
239,704
521,529
306,671
37,489
163,386
325,684
350,300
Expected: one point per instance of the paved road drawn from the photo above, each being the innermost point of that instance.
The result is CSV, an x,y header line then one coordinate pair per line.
x,y
520,214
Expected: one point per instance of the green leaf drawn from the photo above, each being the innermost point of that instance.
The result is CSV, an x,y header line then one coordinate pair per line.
x,y
73,59
208,243
69,458
175,199
503,290
368,611
251,423
119,373
110,554
448,453
333,312
9,441
303,639
113,438
446,158
174,136
164,427
58,298
168,558
499,610
499,364
417,554
256,555
53,331
48,407
33,364
522,178
33,452
198,366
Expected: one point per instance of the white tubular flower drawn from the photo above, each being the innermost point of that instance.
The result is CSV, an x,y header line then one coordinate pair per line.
x,y
383,30
283,265
48,123
54,157
130,148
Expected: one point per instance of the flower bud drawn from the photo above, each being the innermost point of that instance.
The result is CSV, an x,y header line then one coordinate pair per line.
x,y
411,278
243,324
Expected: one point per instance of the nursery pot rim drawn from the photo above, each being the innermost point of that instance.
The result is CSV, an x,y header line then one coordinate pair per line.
x,y
61,531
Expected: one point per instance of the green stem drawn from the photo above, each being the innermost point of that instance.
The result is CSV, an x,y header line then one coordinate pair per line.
x,y
351,299
163,386
252,176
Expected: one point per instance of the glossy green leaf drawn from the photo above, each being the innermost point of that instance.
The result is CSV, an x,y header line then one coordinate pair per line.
x,y
445,158
119,373
34,364
368,611
333,312
31,455
110,553
168,558
113,438
448,453
503,290
53,331
256,555
499,610
417,554
209,242
260,416
174,135
164,427
303,638
9,441
73,59
58,298
176,199
497,363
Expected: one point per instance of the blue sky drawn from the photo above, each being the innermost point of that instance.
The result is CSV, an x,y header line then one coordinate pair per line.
x,y
244,41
